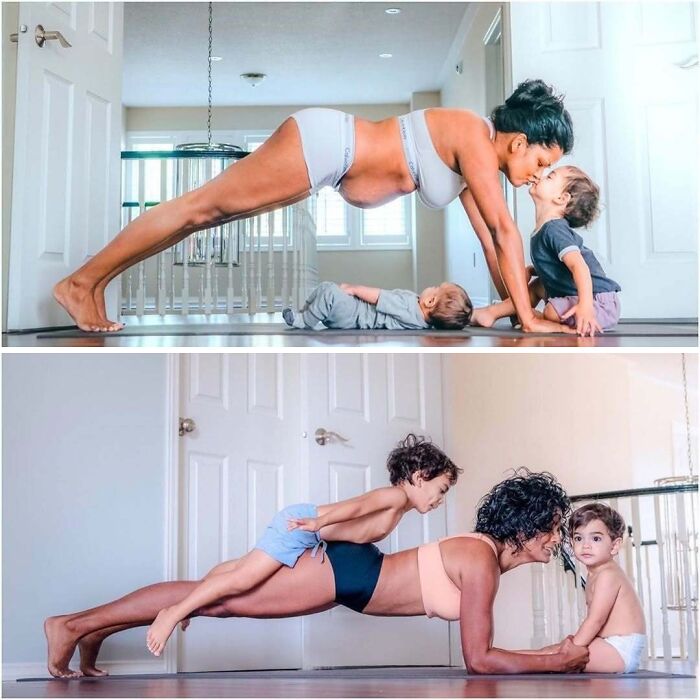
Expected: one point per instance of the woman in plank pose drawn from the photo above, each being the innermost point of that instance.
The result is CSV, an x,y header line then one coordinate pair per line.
x,y
440,153
518,522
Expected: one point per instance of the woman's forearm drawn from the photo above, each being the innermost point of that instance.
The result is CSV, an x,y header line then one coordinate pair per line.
x,y
511,261
503,661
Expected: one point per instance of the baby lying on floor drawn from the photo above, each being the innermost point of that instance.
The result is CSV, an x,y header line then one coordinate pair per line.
x,y
353,306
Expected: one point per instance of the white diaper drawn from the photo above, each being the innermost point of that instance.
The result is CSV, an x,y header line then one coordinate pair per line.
x,y
629,647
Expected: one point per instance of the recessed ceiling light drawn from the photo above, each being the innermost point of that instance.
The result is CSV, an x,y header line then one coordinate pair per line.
x,y
393,11
385,55
216,58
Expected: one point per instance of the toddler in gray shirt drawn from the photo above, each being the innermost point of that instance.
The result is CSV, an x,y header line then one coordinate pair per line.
x,y
354,306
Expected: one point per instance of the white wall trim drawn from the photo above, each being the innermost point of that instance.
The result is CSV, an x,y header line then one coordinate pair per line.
x,y
171,458
37,669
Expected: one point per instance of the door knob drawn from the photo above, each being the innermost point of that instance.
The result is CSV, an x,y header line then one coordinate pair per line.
x,y
187,425
41,37
323,436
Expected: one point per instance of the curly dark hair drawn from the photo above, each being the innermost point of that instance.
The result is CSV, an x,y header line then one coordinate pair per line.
x,y
583,207
417,454
536,111
523,506
612,520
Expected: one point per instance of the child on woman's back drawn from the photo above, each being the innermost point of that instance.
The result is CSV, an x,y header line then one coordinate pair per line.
x,y
420,474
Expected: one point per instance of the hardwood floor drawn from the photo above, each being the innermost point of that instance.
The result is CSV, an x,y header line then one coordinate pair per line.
x,y
648,335
202,685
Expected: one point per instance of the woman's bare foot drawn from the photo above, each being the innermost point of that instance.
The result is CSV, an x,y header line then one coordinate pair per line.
x,y
79,302
160,630
482,317
99,296
61,645
89,647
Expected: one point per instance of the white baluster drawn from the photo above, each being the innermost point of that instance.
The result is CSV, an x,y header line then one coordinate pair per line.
x,y
270,300
689,639
285,241
229,267
651,646
161,291
207,301
245,302
665,635
258,262
636,576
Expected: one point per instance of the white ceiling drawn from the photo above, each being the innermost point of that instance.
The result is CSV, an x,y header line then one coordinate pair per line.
x,y
314,53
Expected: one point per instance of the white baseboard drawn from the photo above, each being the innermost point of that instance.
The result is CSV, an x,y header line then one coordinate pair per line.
x,y
37,669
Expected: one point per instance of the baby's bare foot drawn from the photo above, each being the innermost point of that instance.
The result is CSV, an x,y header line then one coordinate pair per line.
x,y
79,302
482,317
89,647
159,632
61,645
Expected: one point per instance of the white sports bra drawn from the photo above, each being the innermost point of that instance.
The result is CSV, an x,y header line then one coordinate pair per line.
x,y
436,183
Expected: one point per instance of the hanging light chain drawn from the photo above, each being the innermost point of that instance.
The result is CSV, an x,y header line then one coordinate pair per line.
x,y
687,417
209,75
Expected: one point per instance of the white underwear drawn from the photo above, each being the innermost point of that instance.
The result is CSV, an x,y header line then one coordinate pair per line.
x,y
328,142
629,647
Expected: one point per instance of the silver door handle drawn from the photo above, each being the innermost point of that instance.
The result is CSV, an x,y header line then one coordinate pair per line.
x,y
187,425
41,37
323,436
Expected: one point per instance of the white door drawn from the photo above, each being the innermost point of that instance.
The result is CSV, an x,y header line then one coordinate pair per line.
x,y
238,468
65,200
253,452
372,400
635,117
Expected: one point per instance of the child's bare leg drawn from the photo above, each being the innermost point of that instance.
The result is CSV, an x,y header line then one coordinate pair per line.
x,y
247,572
603,658
488,315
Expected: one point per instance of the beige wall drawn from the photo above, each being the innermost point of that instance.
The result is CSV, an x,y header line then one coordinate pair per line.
x,y
391,269
464,259
10,19
429,239
586,418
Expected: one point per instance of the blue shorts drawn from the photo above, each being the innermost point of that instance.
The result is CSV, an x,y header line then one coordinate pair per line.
x,y
286,546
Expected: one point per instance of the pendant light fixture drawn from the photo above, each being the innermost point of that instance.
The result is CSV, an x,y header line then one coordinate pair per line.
x,y
197,163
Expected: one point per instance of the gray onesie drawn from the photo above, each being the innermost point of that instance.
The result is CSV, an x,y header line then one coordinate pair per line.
x,y
330,305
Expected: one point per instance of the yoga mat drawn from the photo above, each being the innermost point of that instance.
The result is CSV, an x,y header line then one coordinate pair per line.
x,y
378,673
622,330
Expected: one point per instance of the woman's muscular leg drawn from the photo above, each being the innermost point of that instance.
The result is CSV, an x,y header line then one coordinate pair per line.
x,y
274,174
307,588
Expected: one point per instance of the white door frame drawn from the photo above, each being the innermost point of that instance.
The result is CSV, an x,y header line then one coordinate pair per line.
x,y
173,512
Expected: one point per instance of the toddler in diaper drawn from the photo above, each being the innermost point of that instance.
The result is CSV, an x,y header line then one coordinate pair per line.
x,y
614,628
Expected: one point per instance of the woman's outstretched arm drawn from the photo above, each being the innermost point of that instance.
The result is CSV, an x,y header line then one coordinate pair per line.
x,y
479,578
